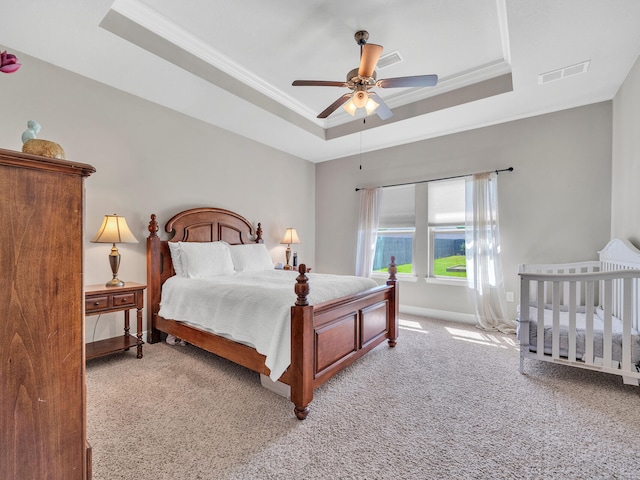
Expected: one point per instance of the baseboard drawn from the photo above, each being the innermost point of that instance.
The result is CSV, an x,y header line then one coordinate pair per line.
x,y
423,312
439,314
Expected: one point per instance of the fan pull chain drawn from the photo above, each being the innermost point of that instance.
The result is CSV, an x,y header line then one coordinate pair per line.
x,y
364,122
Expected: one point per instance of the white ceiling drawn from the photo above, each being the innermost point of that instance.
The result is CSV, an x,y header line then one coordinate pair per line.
x,y
231,63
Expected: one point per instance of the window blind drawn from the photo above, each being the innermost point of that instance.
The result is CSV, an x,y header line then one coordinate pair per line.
x,y
446,202
398,207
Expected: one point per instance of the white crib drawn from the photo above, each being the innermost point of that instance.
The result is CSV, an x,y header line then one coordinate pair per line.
x,y
584,314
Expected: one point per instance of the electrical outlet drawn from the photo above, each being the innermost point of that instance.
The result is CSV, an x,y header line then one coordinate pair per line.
x,y
510,297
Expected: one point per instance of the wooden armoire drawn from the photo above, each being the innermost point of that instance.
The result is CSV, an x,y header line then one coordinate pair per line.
x,y
42,359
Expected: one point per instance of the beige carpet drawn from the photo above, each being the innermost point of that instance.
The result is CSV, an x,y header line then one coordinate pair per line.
x,y
447,403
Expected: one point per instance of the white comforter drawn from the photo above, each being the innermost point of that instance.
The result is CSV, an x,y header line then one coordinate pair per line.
x,y
253,308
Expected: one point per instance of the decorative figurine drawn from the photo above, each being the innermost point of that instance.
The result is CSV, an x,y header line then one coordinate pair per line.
x,y
44,148
32,130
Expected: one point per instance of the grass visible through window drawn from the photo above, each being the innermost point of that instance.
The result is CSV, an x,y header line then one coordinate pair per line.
x,y
439,267
404,268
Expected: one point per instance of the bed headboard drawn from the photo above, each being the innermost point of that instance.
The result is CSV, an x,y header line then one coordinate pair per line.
x,y
203,224
211,225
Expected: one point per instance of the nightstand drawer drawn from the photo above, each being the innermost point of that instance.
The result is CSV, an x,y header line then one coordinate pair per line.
x,y
124,299
96,303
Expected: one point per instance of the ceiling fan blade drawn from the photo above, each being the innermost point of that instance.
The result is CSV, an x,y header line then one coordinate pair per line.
x,y
370,55
332,108
416,81
318,83
383,110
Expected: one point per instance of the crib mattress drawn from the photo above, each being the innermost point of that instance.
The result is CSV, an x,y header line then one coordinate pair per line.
x,y
598,325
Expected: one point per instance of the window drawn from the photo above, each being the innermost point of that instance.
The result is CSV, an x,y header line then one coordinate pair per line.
x,y
448,256
429,243
446,228
396,228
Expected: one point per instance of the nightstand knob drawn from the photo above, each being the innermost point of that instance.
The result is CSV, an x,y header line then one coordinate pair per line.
x,y
96,303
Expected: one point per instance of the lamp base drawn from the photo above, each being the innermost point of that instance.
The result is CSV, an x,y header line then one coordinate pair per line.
x,y
115,282
114,261
288,255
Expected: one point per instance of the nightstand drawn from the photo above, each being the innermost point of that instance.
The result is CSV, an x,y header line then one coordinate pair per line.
x,y
100,299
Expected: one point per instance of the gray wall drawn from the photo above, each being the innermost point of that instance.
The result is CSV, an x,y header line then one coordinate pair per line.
x,y
153,160
554,207
625,198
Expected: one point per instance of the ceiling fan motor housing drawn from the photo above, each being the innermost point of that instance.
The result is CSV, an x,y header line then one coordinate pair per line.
x,y
353,76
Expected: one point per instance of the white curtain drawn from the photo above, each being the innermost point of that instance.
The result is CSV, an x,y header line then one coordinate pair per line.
x,y
367,230
484,265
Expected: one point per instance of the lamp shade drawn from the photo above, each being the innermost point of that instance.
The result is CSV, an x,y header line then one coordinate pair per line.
x,y
290,237
114,229
350,107
360,98
371,106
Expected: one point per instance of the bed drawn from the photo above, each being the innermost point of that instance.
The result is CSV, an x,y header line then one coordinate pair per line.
x,y
323,338
584,314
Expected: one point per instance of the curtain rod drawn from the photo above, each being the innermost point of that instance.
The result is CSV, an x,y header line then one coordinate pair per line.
x,y
510,169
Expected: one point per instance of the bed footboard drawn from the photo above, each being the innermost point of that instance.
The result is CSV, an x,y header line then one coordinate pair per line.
x,y
328,337
585,318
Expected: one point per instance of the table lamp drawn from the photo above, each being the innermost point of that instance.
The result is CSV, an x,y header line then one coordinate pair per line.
x,y
290,236
114,230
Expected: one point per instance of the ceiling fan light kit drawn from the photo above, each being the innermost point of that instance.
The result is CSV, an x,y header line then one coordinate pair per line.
x,y
360,99
350,108
371,106
360,80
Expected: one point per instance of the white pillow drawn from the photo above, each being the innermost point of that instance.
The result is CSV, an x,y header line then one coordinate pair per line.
x,y
174,248
206,259
252,257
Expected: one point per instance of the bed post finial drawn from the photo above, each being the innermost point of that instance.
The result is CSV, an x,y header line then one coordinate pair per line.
x,y
153,226
302,287
393,269
259,234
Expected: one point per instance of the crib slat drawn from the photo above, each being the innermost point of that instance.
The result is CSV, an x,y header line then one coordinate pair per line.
x,y
588,341
626,324
634,303
608,300
618,291
572,322
555,339
524,320
540,321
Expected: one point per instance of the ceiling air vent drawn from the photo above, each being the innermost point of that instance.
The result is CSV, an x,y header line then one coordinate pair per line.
x,y
389,59
565,72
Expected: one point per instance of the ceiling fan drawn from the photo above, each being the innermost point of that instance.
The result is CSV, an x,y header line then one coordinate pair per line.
x,y
362,79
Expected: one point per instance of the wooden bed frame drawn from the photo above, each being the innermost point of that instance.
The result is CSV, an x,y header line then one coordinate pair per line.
x,y
325,338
